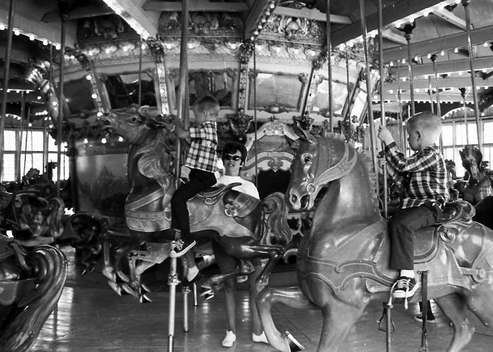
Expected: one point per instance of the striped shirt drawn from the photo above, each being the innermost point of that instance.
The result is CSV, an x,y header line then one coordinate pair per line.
x,y
202,154
426,173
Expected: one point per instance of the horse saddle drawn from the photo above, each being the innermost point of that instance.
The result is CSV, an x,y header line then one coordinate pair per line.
x,y
213,194
238,204
426,241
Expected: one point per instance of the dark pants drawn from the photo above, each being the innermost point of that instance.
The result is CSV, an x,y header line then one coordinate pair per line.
x,y
198,181
402,227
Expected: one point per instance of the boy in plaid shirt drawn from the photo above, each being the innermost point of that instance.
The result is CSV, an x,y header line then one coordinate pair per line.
x,y
202,162
426,191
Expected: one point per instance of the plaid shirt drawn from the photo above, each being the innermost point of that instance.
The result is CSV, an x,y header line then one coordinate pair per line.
x,y
202,153
427,176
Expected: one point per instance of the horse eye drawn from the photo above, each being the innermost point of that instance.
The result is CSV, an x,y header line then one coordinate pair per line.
x,y
306,158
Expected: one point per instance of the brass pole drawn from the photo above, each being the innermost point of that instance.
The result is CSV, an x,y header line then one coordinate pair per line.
x,y
464,107
408,28
182,89
329,66
6,73
307,91
140,73
255,110
61,103
439,108
368,89
479,125
399,116
382,105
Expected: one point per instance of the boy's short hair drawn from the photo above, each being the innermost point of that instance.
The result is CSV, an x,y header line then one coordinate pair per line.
x,y
207,104
428,124
233,147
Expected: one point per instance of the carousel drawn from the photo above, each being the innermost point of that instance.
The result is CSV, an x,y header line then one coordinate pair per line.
x,y
291,244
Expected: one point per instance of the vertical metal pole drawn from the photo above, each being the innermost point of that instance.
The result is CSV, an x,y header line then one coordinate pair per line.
x,y
6,73
186,292
140,72
307,91
439,108
424,312
479,125
464,108
329,66
346,57
382,105
430,94
399,116
255,109
411,70
61,103
172,283
180,106
195,299
368,89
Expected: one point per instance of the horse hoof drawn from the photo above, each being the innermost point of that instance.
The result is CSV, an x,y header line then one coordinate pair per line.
x,y
109,273
115,287
145,288
294,344
145,299
126,287
122,276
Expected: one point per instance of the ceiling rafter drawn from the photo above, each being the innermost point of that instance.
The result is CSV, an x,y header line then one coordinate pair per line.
x,y
450,18
435,45
195,5
398,10
389,34
461,81
78,12
257,11
311,14
480,63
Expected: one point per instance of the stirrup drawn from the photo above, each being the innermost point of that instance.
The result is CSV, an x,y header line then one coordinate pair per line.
x,y
177,254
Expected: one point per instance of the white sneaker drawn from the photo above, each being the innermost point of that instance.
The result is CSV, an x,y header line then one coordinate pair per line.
x,y
260,338
192,273
229,339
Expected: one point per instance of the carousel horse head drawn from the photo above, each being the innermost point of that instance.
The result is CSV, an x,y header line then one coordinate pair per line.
x,y
471,160
317,162
133,123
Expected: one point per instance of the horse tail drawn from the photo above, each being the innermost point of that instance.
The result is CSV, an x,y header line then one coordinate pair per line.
x,y
49,268
274,227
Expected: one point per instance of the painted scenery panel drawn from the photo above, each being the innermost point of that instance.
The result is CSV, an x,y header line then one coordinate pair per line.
x,y
320,101
103,185
276,90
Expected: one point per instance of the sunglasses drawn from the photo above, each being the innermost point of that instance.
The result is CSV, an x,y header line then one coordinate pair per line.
x,y
232,157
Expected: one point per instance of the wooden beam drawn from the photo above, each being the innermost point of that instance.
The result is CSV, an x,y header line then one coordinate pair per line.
x,y
389,34
420,97
78,12
195,5
311,14
449,82
391,13
450,18
480,63
145,23
435,45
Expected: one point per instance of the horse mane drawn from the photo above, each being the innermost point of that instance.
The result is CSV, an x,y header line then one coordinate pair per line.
x,y
367,163
275,210
157,155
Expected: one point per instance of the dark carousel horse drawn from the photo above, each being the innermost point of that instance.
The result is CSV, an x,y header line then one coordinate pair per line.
x,y
31,282
479,187
343,262
221,214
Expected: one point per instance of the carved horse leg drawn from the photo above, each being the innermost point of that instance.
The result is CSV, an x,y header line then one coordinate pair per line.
x,y
454,306
479,302
290,296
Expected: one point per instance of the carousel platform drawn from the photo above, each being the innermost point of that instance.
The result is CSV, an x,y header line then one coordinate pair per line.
x,y
90,318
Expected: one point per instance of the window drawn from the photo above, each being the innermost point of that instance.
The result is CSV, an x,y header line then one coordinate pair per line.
x,y
456,134
31,154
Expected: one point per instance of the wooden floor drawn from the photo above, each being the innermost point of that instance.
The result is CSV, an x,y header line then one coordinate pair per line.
x,y
90,317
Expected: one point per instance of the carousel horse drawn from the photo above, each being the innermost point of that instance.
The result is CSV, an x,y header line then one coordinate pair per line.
x,y
343,261
478,189
229,217
31,282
